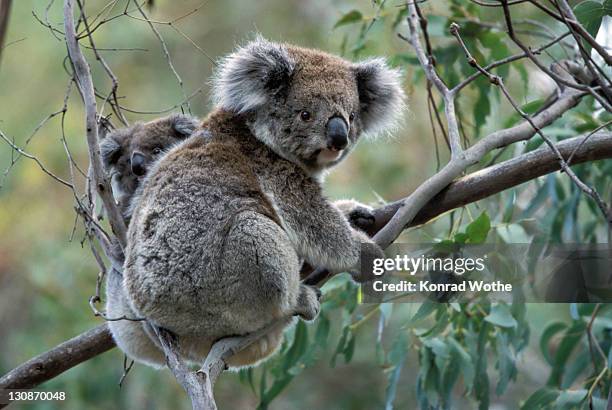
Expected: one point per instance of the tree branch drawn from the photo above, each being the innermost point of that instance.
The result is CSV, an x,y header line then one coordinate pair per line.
x,y
471,188
5,10
59,359
85,83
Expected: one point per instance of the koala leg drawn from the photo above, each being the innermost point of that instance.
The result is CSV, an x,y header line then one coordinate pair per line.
x,y
359,215
259,251
129,335
308,305
261,348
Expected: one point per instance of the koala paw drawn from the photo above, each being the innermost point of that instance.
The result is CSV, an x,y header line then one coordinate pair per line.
x,y
360,216
308,305
369,252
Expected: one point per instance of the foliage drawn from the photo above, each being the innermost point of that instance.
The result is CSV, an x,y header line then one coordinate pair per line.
x,y
459,346
437,355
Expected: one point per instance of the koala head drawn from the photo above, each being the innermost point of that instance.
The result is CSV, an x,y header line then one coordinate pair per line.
x,y
127,153
310,107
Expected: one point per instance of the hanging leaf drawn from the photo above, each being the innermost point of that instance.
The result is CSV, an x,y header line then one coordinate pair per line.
x,y
540,399
570,340
500,316
353,16
590,13
478,230
548,333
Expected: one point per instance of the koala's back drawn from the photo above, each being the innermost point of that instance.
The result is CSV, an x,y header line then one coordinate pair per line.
x,y
187,208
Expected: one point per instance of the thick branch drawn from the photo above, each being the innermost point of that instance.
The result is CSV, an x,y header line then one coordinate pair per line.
x,y
199,385
59,359
471,188
497,178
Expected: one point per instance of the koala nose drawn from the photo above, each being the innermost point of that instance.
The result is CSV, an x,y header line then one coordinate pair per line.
x,y
337,134
138,164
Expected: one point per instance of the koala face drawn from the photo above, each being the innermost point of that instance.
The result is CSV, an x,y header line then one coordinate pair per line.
x,y
127,153
310,107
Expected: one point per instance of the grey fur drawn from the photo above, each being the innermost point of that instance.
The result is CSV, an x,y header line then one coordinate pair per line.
x,y
152,140
380,95
221,225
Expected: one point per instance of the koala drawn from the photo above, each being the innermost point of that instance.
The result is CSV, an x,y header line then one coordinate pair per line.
x,y
220,229
128,152
360,216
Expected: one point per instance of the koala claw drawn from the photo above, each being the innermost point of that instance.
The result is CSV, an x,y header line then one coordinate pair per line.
x,y
308,305
361,218
369,252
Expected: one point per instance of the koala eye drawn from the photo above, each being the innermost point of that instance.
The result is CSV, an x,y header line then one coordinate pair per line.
x,y
305,116
352,116
156,151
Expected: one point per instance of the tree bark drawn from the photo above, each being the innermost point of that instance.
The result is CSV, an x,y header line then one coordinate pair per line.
x,y
471,188
5,9
59,359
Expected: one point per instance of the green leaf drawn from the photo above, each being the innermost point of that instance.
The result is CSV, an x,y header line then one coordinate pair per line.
x,y
589,13
397,356
478,230
570,339
353,16
465,363
570,399
278,386
505,363
300,343
509,208
322,332
340,347
500,316
481,379
550,330
576,368
349,349
439,327
450,376
440,350
426,309
542,398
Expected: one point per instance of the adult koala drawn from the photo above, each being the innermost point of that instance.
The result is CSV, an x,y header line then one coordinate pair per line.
x,y
222,223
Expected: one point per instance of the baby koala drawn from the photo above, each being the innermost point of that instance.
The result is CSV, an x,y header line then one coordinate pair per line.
x,y
128,152
222,224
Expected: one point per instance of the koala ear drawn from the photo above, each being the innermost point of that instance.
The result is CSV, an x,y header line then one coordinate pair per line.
x,y
248,77
110,150
184,125
381,96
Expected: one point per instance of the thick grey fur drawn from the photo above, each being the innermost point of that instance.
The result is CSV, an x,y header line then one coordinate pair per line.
x,y
221,225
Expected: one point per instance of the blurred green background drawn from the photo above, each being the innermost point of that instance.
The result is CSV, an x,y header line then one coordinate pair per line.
x,y
47,272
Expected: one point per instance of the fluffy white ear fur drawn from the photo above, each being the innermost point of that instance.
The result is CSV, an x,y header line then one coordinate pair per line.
x,y
381,96
248,77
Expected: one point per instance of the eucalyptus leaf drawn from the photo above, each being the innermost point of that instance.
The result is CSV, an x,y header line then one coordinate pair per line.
x,y
500,316
353,16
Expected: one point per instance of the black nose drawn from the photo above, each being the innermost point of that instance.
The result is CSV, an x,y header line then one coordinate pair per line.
x,y
138,164
337,133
